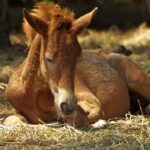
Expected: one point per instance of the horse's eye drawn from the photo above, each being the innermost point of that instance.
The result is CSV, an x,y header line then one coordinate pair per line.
x,y
49,59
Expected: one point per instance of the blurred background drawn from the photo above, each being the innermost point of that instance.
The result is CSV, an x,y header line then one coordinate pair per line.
x,y
124,14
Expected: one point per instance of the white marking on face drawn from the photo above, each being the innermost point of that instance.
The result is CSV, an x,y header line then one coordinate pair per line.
x,y
66,98
63,95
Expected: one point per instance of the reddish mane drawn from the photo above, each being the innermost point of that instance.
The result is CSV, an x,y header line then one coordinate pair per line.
x,y
49,12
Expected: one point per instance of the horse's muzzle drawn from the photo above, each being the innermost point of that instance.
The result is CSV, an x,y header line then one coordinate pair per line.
x,y
65,103
67,109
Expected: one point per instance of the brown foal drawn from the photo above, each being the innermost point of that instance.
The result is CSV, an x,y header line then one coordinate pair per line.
x,y
55,82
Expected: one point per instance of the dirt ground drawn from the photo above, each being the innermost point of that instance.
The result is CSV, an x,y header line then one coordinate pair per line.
x,y
131,132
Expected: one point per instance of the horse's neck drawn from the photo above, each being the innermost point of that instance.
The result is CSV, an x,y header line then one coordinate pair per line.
x,y
31,65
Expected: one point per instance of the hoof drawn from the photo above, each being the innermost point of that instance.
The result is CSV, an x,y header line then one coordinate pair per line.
x,y
99,124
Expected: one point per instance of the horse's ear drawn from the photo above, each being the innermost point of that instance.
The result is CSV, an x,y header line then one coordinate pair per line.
x,y
39,25
83,21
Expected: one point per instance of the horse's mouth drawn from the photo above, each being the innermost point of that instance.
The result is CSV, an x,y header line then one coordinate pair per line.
x,y
67,114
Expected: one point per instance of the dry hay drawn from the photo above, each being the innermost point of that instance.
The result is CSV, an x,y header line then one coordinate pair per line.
x,y
123,134
108,39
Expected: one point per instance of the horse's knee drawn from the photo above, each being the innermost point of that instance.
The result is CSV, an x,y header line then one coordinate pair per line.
x,y
92,110
95,114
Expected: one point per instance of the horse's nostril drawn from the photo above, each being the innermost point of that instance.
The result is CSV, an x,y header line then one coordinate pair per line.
x,y
66,108
63,107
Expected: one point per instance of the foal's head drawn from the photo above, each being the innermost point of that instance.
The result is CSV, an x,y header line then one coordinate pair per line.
x,y
59,54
